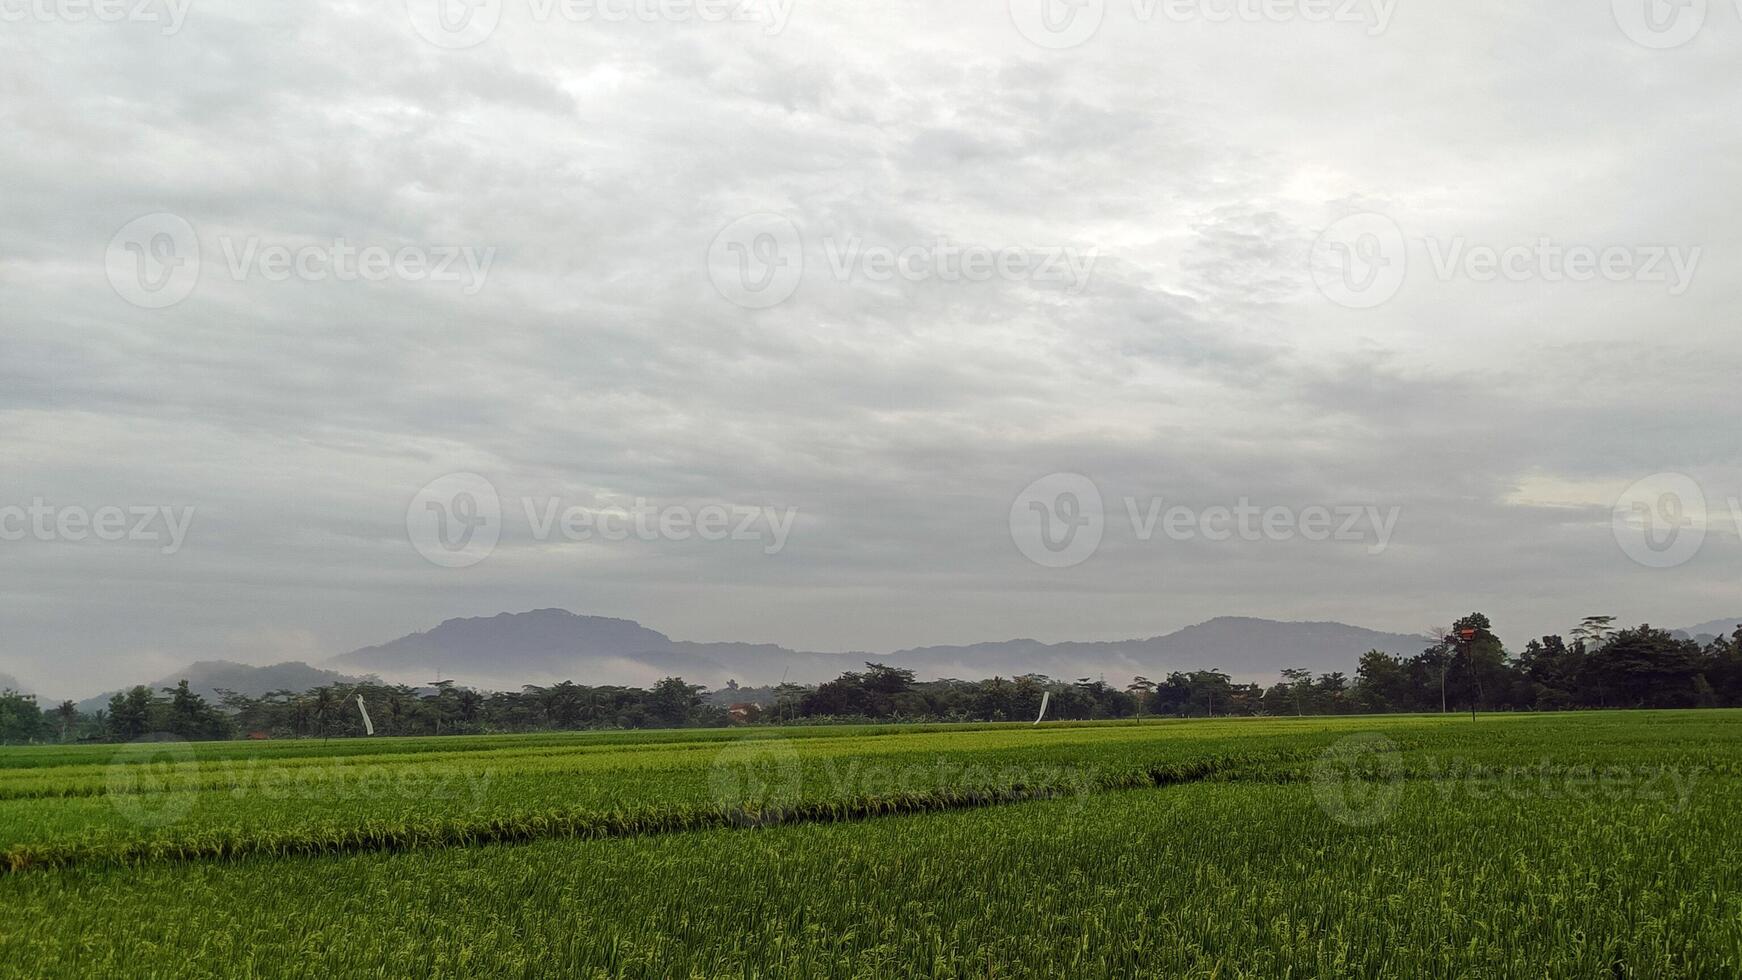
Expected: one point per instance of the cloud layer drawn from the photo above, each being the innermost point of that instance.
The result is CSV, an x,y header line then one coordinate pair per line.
x,y
607,356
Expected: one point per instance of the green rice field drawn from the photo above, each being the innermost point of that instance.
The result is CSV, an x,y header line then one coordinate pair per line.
x,y
1573,844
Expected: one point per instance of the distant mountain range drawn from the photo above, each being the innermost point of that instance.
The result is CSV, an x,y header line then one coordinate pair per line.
x,y
544,646
553,644
207,677
1717,627
10,683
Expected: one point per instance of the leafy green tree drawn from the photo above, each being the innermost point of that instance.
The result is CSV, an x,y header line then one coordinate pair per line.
x,y
1142,691
1480,657
322,707
1722,666
1026,692
1207,688
1382,683
1594,631
130,713
68,714
187,715
1646,667
1297,684
673,703
20,718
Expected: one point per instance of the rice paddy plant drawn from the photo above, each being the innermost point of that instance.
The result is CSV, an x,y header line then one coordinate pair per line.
x,y
1203,879
1563,845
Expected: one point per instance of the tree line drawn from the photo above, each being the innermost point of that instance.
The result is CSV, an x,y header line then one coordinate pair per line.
x,y
331,711
1464,666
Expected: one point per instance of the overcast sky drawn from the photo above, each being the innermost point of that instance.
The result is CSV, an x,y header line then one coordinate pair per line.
x,y
1185,261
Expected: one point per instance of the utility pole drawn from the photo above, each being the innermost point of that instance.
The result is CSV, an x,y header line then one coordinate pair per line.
x,y
1467,640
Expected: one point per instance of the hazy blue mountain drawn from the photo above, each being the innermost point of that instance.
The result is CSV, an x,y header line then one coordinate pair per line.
x,y
525,646
206,677
1240,646
10,683
1717,627
546,645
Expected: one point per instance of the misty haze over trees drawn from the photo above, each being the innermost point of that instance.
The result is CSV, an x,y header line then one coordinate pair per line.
x,y
1599,666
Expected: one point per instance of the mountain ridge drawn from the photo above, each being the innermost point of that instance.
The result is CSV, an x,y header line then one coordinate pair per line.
x,y
544,645
557,645
207,677
1716,627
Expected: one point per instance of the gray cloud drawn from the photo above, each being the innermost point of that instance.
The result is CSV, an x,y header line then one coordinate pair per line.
x,y
1199,363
